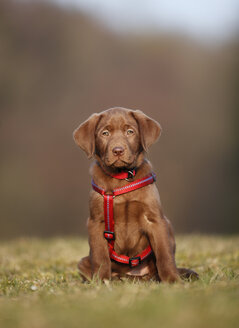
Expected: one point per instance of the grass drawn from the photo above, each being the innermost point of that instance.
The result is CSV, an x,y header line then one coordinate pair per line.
x,y
40,287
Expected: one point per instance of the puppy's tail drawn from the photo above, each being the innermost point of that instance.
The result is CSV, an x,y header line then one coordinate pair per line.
x,y
188,274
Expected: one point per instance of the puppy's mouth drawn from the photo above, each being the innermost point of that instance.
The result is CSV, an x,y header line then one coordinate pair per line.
x,y
120,163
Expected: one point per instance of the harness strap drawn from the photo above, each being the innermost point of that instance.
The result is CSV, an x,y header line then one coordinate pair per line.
x,y
129,187
132,261
135,185
109,219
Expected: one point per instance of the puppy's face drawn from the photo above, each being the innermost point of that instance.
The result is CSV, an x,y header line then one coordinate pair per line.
x,y
117,136
117,139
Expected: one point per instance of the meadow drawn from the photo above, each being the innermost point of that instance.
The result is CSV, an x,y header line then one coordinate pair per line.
x,y
40,287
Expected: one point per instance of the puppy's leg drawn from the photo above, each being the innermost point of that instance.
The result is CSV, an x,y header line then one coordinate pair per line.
x,y
163,248
99,252
171,235
84,267
183,272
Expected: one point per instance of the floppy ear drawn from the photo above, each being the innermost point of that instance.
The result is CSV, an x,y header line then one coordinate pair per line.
x,y
84,135
149,129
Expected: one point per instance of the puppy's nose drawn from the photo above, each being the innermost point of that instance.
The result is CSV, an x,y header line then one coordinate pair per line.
x,y
118,151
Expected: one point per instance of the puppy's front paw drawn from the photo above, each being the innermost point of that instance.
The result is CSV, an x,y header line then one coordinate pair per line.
x,y
172,278
107,284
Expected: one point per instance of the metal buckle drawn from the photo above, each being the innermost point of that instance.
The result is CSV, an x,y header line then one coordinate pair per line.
x,y
130,176
109,233
154,176
133,259
109,193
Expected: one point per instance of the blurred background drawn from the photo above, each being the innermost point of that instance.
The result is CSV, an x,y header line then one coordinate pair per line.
x,y
61,61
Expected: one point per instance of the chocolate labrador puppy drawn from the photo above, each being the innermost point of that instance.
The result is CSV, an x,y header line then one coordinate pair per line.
x,y
129,236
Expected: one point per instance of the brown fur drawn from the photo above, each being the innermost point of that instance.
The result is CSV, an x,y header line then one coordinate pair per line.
x,y
138,215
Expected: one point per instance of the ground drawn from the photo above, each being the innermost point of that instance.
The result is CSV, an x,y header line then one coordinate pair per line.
x,y
40,288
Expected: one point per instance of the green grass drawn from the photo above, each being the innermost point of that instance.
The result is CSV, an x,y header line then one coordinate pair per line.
x,y
40,287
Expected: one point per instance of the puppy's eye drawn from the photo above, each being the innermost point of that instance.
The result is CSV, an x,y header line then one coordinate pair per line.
x,y
105,133
130,132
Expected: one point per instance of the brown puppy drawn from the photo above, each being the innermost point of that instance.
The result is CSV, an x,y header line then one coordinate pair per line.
x,y
118,139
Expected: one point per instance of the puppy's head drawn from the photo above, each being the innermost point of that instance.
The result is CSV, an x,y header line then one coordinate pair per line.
x,y
117,136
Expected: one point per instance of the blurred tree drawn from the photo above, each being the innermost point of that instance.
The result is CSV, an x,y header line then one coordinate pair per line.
x,y
58,66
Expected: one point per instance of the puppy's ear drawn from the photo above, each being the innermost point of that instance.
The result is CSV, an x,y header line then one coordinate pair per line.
x,y
149,129
84,135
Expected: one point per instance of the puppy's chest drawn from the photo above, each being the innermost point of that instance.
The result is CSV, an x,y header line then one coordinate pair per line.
x,y
128,212
128,223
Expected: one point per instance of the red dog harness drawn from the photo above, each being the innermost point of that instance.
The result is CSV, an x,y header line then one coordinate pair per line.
x,y
109,217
